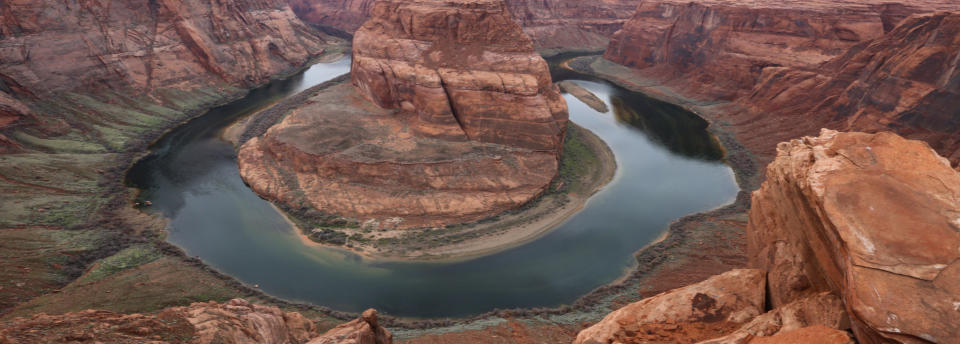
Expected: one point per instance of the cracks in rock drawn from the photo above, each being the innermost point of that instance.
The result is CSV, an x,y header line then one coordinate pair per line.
x,y
453,108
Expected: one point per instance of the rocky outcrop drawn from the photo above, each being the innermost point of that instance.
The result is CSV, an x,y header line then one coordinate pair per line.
x,y
717,305
145,45
906,81
364,330
464,68
453,118
551,24
71,55
870,217
723,309
236,321
791,68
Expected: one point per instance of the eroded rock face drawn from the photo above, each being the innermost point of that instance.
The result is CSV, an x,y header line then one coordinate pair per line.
x,y
871,217
143,45
453,118
697,312
905,81
234,322
143,51
364,330
551,24
792,68
464,68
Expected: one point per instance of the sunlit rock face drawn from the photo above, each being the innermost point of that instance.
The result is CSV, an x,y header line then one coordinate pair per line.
x,y
452,118
873,218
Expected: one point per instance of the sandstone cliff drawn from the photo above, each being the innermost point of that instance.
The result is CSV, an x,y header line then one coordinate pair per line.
x,y
870,217
453,118
906,81
791,68
236,321
566,24
136,52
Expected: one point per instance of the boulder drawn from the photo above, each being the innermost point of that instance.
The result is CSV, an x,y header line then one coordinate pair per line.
x,y
874,218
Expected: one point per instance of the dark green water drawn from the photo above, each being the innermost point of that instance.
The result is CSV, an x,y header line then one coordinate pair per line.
x,y
668,167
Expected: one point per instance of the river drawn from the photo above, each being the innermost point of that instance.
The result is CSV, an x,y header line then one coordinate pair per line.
x,y
668,167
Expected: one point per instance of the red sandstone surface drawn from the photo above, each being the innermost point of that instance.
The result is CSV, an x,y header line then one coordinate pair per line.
x,y
453,118
871,217
234,322
564,24
52,51
791,68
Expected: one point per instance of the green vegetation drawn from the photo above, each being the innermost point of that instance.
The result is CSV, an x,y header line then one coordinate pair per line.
x,y
130,257
579,159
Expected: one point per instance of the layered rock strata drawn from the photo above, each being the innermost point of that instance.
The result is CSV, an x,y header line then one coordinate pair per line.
x,y
906,81
151,51
453,118
236,321
567,24
791,68
873,218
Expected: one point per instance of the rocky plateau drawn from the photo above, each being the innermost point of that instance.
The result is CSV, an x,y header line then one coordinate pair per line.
x,y
452,118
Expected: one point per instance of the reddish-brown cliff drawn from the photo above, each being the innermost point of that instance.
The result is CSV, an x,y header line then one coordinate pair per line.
x,y
452,118
791,68
565,24
173,53
234,322
871,217
906,81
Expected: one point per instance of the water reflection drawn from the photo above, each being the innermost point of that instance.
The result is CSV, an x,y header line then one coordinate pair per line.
x,y
192,178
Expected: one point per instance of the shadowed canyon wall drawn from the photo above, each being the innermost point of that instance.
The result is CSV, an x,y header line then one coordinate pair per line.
x,y
152,50
564,24
790,69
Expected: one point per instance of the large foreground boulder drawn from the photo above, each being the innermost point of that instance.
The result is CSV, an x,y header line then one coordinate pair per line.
x,y
874,218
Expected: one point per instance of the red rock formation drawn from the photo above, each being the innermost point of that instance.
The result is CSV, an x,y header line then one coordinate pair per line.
x,y
724,309
871,217
144,45
791,68
466,70
234,322
364,330
157,51
718,305
906,81
562,24
472,125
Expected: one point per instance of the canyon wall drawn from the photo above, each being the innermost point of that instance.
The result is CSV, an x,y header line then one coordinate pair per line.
x,y
870,217
157,51
234,322
791,68
452,118
566,24
906,81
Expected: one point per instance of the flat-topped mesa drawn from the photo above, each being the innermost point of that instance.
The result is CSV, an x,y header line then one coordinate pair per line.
x,y
464,68
452,118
